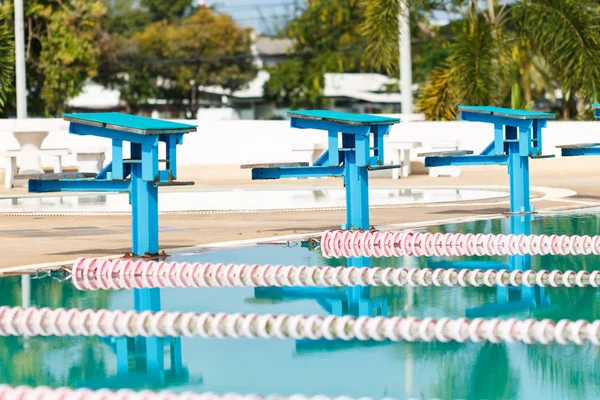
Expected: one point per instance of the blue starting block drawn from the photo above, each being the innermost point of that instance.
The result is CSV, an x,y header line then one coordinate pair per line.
x,y
140,176
360,151
582,149
517,137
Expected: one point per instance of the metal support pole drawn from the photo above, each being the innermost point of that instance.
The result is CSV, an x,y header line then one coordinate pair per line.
x,y
20,61
405,59
518,169
356,178
144,210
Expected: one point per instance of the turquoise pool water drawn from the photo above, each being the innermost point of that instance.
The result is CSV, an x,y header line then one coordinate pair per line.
x,y
286,367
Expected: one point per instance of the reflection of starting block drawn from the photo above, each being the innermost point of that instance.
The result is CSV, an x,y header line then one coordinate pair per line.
x,y
357,301
509,300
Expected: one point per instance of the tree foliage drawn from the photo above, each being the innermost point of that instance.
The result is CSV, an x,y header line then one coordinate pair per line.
x,y
475,73
292,85
566,35
327,39
169,10
7,63
503,53
173,61
60,48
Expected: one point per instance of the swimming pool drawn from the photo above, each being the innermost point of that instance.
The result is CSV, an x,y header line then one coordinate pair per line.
x,y
237,200
376,369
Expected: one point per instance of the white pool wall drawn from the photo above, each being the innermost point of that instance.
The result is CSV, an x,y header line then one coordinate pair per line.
x,y
238,142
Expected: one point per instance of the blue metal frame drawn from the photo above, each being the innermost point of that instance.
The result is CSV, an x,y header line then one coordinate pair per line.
x,y
361,149
517,137
140,176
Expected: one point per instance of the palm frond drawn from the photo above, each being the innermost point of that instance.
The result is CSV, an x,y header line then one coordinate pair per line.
x,y
437,98
480,61
566,33
382,33
7,62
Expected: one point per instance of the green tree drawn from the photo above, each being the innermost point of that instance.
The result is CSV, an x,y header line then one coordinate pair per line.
x,y
537,45
171,10
7,63
332,36
173,61
327,39
61,49
124,17
296,83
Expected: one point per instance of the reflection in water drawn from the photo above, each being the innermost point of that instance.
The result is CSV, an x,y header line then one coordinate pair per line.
x,y
141,360
378,369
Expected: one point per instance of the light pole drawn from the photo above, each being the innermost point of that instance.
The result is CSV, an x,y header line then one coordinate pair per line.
x,y
21,109
20,61
405,59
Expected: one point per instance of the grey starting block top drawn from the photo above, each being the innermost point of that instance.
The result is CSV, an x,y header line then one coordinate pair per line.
x,y
343,118
578,146
57,177
449,153
129,123
507,112
275,165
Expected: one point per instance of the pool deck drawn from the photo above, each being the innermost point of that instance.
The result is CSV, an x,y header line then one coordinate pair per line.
x,y
26,240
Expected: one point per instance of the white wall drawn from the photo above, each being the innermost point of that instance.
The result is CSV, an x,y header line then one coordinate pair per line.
x,y
241,141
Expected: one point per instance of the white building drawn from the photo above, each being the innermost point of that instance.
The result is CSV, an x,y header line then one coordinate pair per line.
x,y
351,92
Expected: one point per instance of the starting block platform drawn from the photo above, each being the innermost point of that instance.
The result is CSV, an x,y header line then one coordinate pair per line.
x,y
359,151
517,137
582,149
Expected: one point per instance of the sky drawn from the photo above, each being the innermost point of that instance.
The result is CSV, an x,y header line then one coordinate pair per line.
x,y
262,15
265,16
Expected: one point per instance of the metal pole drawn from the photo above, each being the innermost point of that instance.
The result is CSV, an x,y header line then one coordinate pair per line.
x,y
405,59
20,60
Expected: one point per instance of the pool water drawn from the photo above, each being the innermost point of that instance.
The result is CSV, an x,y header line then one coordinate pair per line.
x,y
286,367
237,200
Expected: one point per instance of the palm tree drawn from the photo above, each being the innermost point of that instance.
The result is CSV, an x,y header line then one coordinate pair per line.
x,y
7,62
517,48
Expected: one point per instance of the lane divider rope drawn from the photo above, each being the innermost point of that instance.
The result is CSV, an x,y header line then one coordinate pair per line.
x,y
396,244
19,321
46,393
105,274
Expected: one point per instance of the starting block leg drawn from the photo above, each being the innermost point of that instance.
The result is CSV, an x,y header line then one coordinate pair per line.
x,y
144,213
518,169
357,187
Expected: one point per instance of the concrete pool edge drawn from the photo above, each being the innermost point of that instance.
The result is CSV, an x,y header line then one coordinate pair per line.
x,y
29,268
